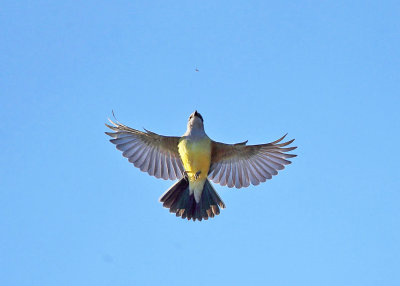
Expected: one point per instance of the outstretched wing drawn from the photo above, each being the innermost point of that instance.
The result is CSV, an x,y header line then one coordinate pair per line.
x,y
152,153
238,165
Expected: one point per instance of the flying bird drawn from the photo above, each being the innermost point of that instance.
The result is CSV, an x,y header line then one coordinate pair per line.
x,y
194,159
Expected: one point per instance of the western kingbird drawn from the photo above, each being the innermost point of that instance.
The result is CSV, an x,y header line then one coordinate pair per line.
x,y
193,159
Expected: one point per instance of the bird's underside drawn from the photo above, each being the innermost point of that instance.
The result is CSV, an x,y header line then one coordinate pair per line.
x,y
232,165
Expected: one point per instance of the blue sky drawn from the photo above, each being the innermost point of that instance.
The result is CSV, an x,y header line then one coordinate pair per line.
x,y
73,211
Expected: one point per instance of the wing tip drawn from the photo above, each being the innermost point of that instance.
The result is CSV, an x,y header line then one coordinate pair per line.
x,y
280,139
110,134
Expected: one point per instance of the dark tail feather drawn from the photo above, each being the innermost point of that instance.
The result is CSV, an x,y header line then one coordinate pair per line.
x,y
178,201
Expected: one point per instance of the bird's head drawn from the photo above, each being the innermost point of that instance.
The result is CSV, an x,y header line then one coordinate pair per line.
x,y
195,120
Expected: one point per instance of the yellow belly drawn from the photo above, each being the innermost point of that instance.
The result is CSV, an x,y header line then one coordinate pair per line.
x,y
195,156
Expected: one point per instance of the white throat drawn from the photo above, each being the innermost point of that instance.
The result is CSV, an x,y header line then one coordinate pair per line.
x,y
195,131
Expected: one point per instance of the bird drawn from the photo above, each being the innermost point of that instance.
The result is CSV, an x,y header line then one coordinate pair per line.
x,y
194,159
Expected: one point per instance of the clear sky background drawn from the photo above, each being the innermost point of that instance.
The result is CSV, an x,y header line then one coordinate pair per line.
x,y
73,211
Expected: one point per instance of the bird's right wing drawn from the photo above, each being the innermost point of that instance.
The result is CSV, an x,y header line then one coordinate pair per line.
x,y
152,153
238,165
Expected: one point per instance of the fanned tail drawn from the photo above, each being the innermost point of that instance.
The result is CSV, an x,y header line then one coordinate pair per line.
x,y
179,201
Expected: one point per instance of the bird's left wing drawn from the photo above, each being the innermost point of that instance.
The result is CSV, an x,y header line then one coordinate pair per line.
x,y
152,153
238,165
